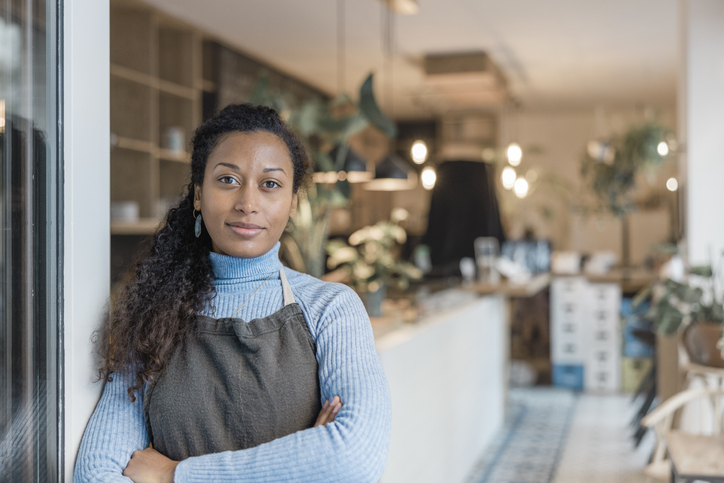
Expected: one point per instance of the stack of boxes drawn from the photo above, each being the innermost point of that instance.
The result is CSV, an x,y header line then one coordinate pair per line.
x,y
585,334
567,338
603,356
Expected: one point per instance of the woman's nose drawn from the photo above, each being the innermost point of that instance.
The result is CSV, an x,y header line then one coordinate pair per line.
x,y
247,200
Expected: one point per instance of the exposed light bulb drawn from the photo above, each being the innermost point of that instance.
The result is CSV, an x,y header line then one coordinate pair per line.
x,y
515,154
662,149
508,177
419,152
672,184
428,178
521,187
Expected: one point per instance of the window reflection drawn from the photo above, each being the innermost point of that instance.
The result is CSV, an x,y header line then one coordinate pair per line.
x,y
29,241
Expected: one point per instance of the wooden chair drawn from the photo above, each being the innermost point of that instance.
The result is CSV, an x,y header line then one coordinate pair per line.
x,y
690,456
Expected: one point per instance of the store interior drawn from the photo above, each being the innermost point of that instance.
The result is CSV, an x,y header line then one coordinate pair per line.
x,y
510,187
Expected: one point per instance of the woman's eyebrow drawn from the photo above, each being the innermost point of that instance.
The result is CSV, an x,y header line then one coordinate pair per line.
x,y
267,170
233,166
228,165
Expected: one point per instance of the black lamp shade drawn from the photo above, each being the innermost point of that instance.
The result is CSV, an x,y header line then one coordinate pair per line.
x,y
392,174
354,165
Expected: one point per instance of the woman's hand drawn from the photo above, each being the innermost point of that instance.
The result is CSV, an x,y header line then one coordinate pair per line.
x,y
150,466
329,411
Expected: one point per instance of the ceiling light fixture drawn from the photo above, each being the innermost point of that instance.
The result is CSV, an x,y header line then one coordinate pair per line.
x,y
419,151
662,148
392,174
354,165
515,154
428,178
404,7
521,188
508,177
672,184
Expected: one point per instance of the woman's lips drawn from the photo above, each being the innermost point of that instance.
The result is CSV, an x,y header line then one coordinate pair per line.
x,y
246,230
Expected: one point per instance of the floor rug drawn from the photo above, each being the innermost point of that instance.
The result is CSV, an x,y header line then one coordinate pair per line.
x,y
527,450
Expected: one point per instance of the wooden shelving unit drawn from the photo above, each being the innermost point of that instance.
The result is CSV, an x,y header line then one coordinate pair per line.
x,y
156,87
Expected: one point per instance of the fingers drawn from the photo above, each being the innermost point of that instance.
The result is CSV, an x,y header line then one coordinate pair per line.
x,y
329,411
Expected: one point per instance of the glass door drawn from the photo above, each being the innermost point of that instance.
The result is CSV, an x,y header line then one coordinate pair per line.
x,y
30,241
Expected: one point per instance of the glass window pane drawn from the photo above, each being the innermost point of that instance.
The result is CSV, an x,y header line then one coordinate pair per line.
x,y
30,241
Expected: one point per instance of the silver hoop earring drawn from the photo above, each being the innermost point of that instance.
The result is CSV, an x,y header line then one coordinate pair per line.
x,y
197,226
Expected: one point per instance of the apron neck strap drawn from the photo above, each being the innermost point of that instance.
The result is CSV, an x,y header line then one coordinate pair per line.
x,y
288,295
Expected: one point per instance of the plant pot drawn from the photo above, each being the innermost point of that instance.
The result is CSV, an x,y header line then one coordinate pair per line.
x,y
373,301
700,340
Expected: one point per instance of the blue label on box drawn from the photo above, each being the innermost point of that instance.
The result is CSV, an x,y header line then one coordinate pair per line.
x,y
569,376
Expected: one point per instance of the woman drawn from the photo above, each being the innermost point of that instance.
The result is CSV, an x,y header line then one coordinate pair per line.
x,y
232,367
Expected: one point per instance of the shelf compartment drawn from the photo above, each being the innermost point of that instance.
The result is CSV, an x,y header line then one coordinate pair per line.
x,y
175,112
131,172
175,62
175,156
130,116
135,145
131,37
174,178
144,226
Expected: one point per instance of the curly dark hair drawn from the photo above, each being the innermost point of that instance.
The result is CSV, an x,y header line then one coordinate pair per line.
x,y
158,303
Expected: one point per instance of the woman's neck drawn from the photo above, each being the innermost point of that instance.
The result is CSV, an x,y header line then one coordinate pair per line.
x,y
227,267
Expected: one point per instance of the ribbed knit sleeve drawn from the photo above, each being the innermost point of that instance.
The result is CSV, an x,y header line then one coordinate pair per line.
x,y
352,448
116,429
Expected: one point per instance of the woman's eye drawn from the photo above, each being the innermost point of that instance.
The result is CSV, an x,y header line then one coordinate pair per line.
x,y
271,184
227,179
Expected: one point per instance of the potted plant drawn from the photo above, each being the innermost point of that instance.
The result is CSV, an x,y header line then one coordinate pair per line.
x,y
371,263
694,307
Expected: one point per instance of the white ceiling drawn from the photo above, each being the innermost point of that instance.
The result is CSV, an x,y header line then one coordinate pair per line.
x,y
555,53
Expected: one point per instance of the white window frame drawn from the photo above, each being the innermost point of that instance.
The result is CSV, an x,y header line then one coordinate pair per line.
x,y
86,152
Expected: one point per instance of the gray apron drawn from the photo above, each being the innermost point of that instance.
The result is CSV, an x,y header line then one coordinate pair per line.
x,y
234,385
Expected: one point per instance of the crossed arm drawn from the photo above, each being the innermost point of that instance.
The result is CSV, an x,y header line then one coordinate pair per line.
x,y
351,446
150,466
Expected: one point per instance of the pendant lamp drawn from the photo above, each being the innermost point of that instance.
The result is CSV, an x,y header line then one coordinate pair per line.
x,y
392,174
354,165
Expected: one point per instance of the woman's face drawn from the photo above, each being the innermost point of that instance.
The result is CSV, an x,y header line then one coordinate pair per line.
x,y
246,198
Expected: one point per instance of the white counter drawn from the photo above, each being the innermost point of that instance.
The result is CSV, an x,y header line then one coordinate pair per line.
x,y
447,376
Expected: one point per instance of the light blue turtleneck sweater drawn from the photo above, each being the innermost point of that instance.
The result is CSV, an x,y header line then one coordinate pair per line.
x,y
352,448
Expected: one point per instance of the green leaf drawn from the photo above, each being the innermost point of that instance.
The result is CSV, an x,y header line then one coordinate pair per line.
x,y
345,188
346,126
371,110
701,270
669,248
306,120
670,323
692,295
323,162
